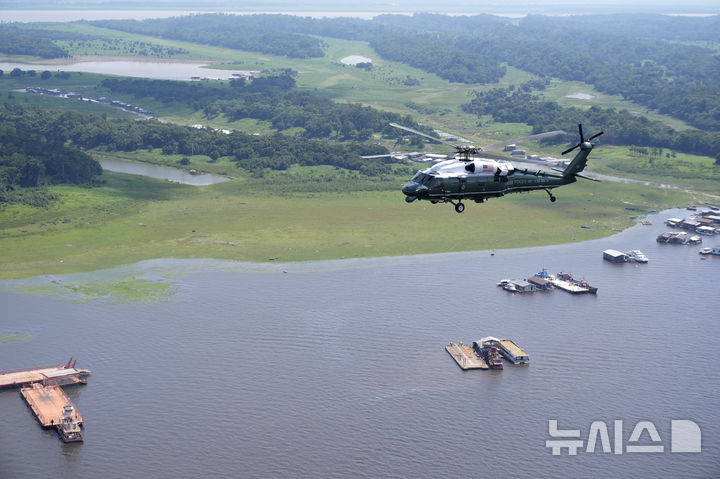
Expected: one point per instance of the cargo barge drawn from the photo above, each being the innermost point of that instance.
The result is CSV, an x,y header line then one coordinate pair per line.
x,y
465,356
567,282
64,375
41,388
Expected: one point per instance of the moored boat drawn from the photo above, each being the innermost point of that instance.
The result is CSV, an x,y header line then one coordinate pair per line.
x,y
567,282
637,256
513,352
488,349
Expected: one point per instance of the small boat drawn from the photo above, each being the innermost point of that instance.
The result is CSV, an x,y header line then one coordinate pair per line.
x,y
694,240
705,251
637,256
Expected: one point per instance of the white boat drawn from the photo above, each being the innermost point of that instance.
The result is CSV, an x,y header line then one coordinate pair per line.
x,y
637,256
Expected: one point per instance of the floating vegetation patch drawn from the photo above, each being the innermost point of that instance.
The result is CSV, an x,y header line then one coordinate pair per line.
x,y
123,290
13,337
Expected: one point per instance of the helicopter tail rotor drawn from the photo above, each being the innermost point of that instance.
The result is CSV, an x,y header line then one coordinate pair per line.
x,y
582,139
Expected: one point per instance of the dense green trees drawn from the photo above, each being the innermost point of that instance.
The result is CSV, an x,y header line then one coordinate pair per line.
x,y
621,127
40,147
15,40
272,98
230,31
34,152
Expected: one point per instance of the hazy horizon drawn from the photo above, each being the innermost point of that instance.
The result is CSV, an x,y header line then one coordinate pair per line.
x,y
553,7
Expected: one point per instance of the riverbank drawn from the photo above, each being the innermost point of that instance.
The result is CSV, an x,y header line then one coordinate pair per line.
x,y
132,218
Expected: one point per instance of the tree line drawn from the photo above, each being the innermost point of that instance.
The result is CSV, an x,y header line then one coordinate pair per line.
x,y
40,147
653,65
272,98
15,40
621,127
229,31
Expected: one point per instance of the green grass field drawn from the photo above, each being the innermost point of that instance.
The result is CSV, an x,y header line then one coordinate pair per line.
x,y
132,218
318,213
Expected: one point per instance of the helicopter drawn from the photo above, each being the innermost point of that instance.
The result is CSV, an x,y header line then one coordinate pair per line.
x,y
466,177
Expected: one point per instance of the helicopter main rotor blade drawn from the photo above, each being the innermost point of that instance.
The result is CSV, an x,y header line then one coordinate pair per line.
x,y
595,136
422,134
500,144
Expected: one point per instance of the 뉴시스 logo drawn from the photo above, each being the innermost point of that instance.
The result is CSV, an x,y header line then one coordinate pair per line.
x,y
685,436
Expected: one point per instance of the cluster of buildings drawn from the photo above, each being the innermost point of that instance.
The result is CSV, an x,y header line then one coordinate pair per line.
x,y
706,222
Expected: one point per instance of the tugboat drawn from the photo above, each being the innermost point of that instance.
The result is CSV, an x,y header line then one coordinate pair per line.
x,y
69,428
487,348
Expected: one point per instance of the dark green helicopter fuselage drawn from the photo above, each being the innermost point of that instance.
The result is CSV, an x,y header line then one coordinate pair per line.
x,y
478,179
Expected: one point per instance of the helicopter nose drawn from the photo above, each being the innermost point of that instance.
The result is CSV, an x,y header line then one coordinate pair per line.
x,y
409,188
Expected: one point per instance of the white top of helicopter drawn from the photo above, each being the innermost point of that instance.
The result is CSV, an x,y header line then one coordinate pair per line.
x,y
456,166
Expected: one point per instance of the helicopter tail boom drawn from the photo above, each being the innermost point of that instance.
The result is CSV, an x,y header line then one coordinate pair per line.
x,y
578,163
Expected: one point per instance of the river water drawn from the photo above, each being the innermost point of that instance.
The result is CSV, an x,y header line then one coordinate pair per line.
x,y
338,368
157,171
160,70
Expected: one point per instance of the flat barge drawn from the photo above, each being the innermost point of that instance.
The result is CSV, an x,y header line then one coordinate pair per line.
x,y
465,356
41,389
566,282
64,375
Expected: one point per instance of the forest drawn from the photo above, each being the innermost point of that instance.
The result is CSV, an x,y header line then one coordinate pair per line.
x,y
667,64
522,105
661,66
42,147
274,99
231,31
664,63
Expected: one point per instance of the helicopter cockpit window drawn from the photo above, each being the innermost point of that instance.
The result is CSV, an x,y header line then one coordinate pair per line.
x,y
420,178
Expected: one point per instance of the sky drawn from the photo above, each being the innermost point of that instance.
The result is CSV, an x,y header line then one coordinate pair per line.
x,y
554,7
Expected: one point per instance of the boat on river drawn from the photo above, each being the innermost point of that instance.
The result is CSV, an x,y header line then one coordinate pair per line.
x,y
637,256
567,282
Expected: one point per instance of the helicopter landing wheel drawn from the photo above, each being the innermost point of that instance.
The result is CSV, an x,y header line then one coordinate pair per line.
x,y
459,208
552,198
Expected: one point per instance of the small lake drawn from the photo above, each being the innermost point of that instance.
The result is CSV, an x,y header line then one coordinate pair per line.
x,y
162,172
155,70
